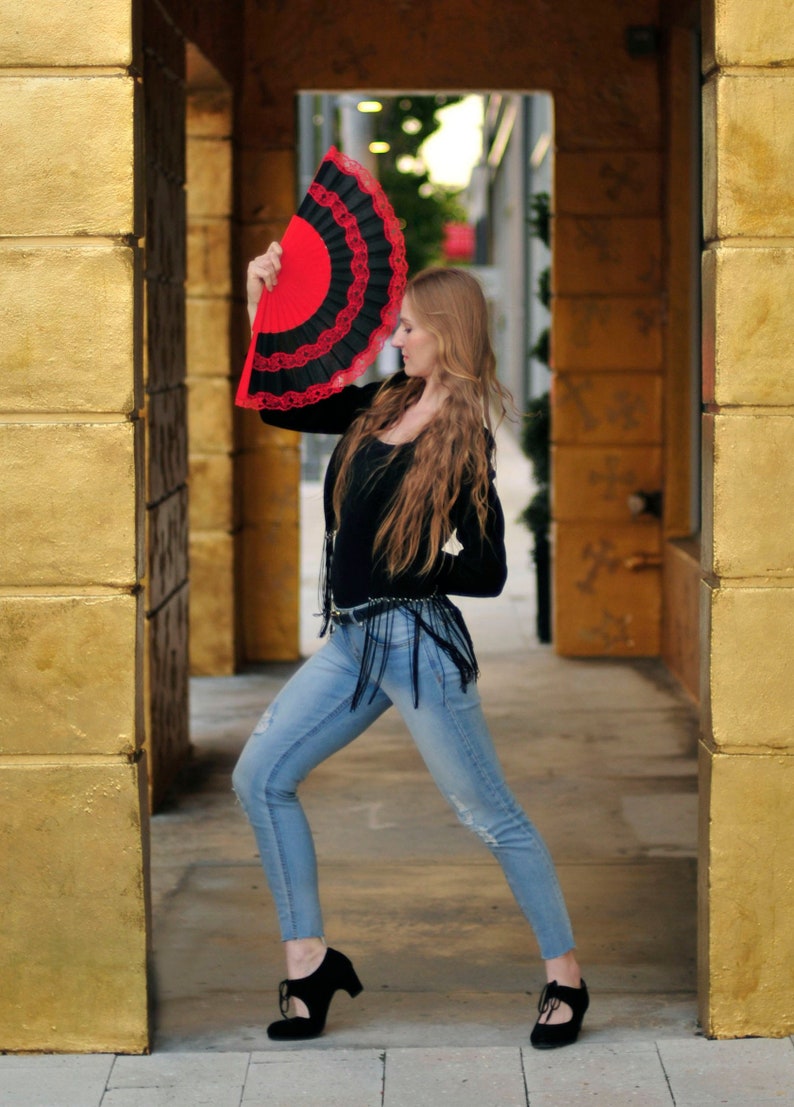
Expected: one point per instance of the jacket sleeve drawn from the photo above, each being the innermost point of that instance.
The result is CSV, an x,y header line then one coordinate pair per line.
x,y
480,567
332,415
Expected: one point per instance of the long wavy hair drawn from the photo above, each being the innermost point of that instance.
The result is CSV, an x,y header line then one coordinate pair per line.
x,y
452,449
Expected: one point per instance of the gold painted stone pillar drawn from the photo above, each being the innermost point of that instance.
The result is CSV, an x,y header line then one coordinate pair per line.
x,y
607,361
746,917
73,804
165,400
267,462
210,390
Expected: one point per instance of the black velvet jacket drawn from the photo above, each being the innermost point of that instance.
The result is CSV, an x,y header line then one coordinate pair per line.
x,y
353,575
478,569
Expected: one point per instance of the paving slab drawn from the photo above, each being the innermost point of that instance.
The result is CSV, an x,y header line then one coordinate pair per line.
x,y
187,1094
164,1070
753,1071
458,1077
630,1074
346,1078
178,1080
43,1080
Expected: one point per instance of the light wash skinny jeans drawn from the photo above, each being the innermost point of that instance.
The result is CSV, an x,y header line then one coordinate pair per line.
x,y
311,718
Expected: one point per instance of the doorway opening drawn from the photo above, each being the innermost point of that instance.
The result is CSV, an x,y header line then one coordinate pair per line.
x,y
397,869
466,174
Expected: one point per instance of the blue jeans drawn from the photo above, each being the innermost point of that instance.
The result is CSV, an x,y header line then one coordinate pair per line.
x,y
311,718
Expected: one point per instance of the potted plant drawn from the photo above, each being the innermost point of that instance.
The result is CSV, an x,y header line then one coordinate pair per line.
x,y
536,516
536,437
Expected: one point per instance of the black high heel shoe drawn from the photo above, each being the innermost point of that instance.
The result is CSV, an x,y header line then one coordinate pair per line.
x,y
317,990
550,1036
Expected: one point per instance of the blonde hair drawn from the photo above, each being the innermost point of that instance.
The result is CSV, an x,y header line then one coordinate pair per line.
x,y
453,449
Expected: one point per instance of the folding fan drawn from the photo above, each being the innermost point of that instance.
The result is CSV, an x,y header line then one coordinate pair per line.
x,y
338,295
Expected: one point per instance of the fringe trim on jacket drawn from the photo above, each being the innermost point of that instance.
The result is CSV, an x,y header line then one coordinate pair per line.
x,y
436,616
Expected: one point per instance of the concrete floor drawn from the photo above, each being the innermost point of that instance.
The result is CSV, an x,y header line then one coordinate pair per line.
x,y
602,754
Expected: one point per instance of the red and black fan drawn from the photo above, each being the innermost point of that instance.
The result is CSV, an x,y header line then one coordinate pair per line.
x,y
338,295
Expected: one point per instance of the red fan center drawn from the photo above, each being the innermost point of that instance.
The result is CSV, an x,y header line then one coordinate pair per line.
x,y
304,279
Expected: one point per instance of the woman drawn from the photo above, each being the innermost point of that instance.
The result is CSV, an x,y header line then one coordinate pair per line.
x,y
412,468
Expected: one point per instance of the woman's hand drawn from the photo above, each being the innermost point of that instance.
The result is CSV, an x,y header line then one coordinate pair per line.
x,y
262,273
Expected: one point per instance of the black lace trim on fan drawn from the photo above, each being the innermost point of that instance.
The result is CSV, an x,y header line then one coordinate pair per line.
x,y
320,357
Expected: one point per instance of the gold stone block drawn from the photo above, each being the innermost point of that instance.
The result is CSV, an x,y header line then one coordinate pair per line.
x,y
104,38
209,258
596,408
168,738
607,332
209,111
595,483
607,590
210,401
748,189
628,114
211,493
240,340
710,158
74,950
69,503
746,895
252,434
748,483
208,338
166,215
708,304
166,442
167,546
607,183
748,644
72,171
267,481
209,178
681,619
748,321
268,186
212,644
79,359
268,484
737,33
165,334
69,674
269,591
598,255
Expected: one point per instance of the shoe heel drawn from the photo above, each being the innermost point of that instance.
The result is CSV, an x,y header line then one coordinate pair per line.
x,y
353,985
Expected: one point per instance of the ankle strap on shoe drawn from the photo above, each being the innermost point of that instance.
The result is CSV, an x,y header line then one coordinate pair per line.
x,y
554,994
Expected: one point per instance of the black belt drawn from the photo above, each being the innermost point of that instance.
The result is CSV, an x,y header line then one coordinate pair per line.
x,y
354,616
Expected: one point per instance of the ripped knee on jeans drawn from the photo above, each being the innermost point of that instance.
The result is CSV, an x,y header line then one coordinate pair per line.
x,y
264,723
241,778
467,819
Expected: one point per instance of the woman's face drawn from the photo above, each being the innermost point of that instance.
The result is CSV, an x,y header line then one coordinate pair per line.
x,y
418,346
